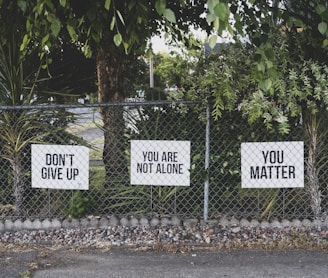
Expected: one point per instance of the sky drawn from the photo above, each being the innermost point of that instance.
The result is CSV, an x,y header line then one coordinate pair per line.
x,y
159,45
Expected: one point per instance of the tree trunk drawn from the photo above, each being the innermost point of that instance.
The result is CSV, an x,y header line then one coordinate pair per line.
x,y
313,187
110,69
18,184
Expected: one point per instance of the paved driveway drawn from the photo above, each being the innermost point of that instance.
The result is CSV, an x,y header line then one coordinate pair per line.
x,y
127,263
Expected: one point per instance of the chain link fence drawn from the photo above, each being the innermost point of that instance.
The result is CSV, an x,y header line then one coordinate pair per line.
x,y
118,159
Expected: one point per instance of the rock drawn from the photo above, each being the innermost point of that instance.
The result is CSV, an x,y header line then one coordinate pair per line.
x,y
165,221
103,222
144,222
27,225
46,224
325,222
75,224
207,239
56,224
234,222
175,221
8,225
113,221
317,223
265,224
36,224
66,224
224,221
285,223
17,225
85,223
306,223
276,224
124,222
72,234
296,223
94,222
134,222
189,223
154,222
244,223
235,230
254,223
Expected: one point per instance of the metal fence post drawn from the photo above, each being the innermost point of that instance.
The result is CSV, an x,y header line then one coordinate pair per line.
x,y
207,160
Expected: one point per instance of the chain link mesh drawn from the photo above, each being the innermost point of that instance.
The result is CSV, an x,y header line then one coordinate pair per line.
x,y
108,130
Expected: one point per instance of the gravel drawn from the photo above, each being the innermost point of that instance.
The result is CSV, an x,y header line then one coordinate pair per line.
x,y
171,234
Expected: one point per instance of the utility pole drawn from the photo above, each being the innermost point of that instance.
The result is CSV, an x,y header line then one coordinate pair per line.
x,y
151,71
151,66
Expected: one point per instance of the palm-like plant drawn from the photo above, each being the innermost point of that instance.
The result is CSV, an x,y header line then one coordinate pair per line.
x,y
16,125
21,85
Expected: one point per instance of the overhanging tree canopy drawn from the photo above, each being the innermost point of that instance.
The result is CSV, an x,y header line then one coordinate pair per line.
x,y
108,29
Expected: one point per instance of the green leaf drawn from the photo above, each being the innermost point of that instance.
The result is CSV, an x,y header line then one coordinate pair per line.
x,y
325,43
28,25
222,26
239,27
45,39
51,17
117,39
269,64
230,30
62,3
87,50
126,47
169,15
72,32
24,43
210,18
112,24
107,4
265,85
211,5
95,37
73,22
322,27
221,11
269,53
261,66
160,6
212,41
55,27
320,9
22,5
120,16
216,24
49,4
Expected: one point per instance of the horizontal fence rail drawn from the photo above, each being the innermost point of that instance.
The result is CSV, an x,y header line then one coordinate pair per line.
x,y
153,158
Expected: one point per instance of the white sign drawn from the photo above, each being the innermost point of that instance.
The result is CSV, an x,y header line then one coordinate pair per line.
x,y
272,165
160,162
60,167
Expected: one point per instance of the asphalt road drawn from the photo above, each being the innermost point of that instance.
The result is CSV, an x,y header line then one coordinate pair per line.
x,y
127,263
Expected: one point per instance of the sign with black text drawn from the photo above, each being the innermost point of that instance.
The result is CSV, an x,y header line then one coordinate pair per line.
x,y
160,162
272,165
60,167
